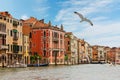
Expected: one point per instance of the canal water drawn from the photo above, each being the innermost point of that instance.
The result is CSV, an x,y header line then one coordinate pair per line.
x,y
75,72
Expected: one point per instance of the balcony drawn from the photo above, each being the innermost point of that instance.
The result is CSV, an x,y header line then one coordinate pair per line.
x,y
55,49
5,47
55,39
61,49
1,32
15,48
15,38
15,24
15,51
44,38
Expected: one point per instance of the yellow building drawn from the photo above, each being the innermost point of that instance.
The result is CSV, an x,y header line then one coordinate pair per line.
x,y
3,46
13,38
26,49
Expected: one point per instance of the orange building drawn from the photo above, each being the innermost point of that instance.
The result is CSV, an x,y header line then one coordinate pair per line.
x,y
68,47
117,60
48,42
112,54
95,53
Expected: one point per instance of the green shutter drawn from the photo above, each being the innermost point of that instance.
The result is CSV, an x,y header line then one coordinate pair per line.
x,y
14,30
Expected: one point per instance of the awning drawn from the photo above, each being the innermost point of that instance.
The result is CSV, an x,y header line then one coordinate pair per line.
x,y
14,30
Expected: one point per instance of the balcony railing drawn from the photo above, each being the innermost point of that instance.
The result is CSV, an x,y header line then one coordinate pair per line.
x,y
55,39
3,47
3,32
56,49
15,38
15,24
15,51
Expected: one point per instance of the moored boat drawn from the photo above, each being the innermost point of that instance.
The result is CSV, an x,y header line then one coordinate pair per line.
x,y
37,65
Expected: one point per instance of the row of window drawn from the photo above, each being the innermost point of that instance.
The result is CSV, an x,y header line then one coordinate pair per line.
x,y
3,39
26,48
14,33
14,48
10,20
48,54
58,60
54,34
26,40
2,27
3,59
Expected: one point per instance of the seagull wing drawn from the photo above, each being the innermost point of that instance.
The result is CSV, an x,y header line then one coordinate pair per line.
x,y
87,20
80,15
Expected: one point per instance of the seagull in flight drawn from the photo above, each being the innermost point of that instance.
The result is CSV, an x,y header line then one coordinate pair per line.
x,y
83,18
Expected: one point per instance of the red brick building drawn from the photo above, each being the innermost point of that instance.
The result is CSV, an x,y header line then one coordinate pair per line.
x,y
48,42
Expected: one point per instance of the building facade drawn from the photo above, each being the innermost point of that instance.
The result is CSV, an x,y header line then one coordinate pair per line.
x,y
95,54
112,55
68,48
3,46
48,42
71,48
79,51
101,54
13,38
87,53
117,56
26,43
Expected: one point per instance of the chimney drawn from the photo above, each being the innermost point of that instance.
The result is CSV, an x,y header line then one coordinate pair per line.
x,y
42,20
31,17
49,24
61,27
6,12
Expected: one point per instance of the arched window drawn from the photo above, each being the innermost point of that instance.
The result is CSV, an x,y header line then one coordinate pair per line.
x,y
44,34
30,35
0,59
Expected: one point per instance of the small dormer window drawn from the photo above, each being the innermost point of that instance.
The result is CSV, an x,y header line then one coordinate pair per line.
x,y
15,23
30,25
20,24
5,18
0,17
11,21
44,34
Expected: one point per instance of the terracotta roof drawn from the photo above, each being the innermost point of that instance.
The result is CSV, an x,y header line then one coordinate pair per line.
x,y
6,14
26,29
39,24
30,20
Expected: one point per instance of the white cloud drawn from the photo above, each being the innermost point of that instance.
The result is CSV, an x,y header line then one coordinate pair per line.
x,y
99,18
24,17
42,9
105,34
105,30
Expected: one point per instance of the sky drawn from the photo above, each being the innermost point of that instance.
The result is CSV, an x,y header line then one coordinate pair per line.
x,y
105,15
